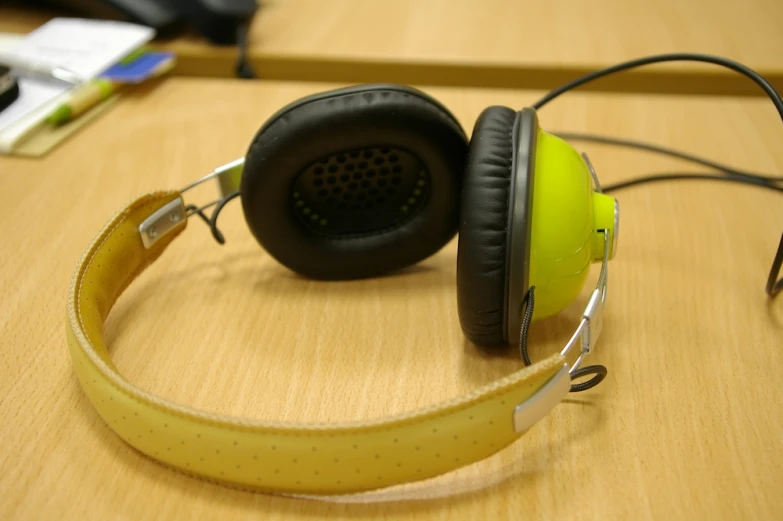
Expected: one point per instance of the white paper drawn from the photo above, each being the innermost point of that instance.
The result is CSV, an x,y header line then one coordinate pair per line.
x,y
32,94
86,47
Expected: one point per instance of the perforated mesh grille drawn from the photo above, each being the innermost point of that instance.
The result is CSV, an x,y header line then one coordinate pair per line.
x,y
360,191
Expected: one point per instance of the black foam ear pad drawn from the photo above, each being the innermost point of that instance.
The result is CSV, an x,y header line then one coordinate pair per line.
x,y
482,251
355,182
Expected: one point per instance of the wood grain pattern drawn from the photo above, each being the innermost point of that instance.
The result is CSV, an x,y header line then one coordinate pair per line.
x,y
686,426
492,43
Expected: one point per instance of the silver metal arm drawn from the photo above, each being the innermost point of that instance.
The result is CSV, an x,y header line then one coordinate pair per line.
x,y
527,413
169,216
229,170
590,325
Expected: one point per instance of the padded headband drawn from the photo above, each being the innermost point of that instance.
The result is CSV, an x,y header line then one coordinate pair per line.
x,y
272,456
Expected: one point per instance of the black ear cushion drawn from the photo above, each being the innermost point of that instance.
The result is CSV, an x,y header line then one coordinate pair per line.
x,y
342,124
481,257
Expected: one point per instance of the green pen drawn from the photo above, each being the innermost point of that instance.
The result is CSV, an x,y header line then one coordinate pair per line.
x,y
83,99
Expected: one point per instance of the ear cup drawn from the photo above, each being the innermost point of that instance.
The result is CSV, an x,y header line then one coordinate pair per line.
x,y
355,182
482,251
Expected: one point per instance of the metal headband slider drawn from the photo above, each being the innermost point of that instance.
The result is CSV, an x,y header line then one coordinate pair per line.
x,y
529,412
164,220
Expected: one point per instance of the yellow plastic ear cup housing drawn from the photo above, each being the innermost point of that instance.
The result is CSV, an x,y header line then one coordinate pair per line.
x,y
554,219
567,216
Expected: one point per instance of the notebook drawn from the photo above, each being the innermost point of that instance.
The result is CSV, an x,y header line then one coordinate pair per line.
x,y
86,47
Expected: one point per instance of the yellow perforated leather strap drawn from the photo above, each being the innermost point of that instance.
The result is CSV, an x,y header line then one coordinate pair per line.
x,y
276,457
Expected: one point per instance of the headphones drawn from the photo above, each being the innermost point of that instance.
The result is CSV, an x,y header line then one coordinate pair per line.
x,y
354,183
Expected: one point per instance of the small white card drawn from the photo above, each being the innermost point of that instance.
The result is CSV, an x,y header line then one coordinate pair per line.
x,y
86,47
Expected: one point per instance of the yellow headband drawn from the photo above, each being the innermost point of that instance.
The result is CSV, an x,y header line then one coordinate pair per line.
x,y
280,457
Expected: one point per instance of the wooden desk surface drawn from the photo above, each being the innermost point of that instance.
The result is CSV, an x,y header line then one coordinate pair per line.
x,y
686,426
493,43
